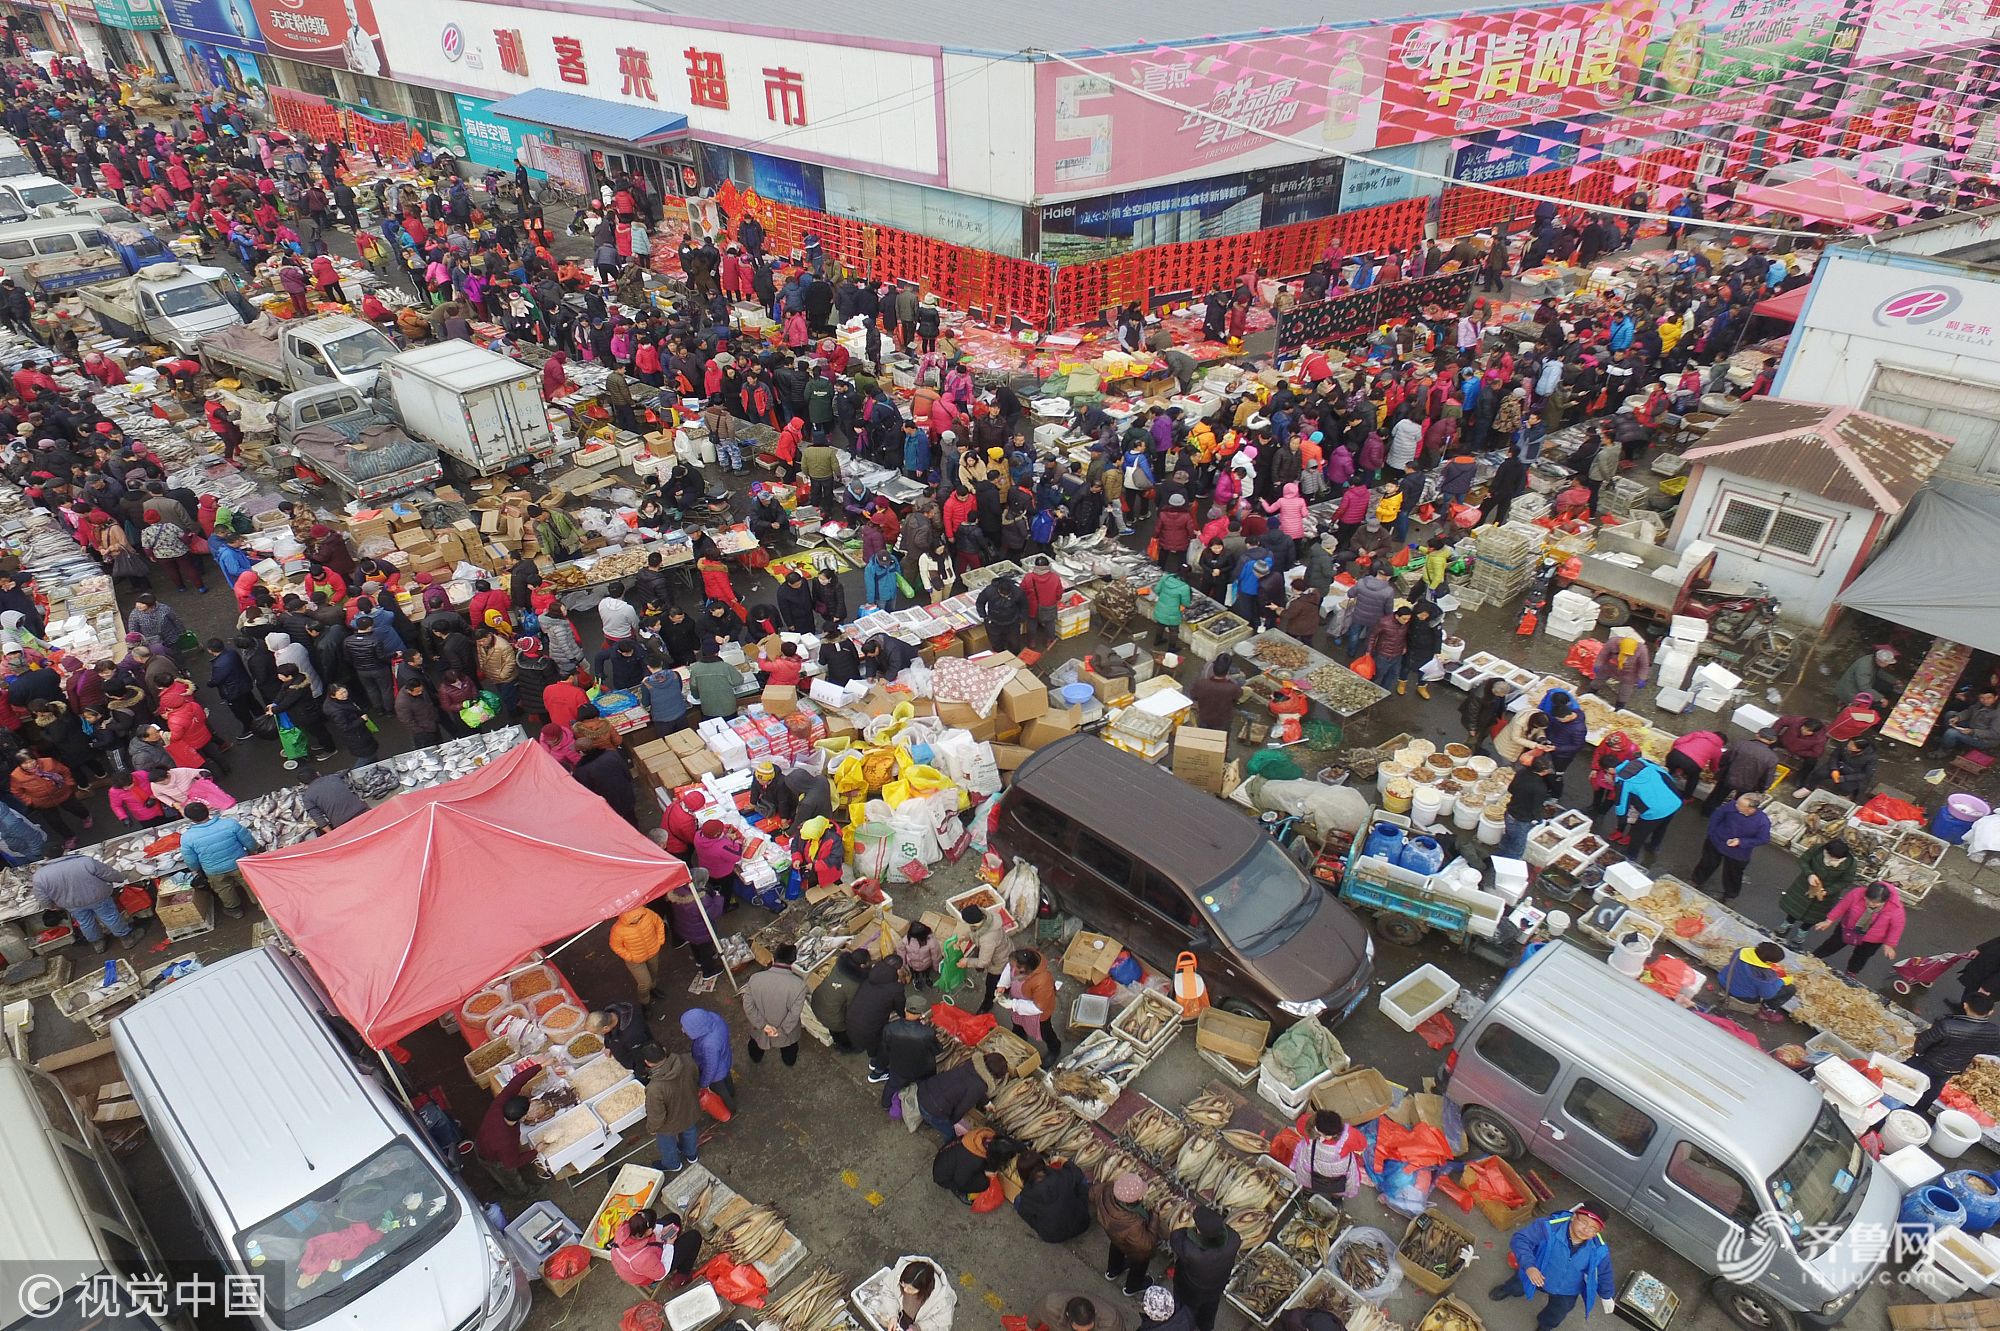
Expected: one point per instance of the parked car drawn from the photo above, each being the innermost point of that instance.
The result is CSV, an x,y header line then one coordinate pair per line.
x,y
1167,869
1707,1143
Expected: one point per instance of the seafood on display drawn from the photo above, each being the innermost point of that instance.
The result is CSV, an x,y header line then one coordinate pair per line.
x,y
1156,1133
1146,1018
1307,1236
1210,1111
815,1302
1091,1076
1263,1280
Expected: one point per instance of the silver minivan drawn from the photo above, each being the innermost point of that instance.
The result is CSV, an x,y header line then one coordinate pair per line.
x,y
303,1170
70,1237
1714,1148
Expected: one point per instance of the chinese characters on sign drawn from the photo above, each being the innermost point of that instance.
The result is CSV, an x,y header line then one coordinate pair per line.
x,y
513,55
785,96
569,60
635,71
1243,107
1454,76
708,83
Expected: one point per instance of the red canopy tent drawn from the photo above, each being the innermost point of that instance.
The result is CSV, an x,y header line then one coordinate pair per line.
x,y
1829,196
411,907
1786,305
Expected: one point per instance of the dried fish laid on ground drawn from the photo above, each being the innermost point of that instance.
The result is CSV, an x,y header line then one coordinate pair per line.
x,y
756,1235
1827,1002
1263,1280
813,1303
1211,1110
1156,1133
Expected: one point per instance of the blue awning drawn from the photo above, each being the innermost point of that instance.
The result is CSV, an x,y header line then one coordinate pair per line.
x,y
594,116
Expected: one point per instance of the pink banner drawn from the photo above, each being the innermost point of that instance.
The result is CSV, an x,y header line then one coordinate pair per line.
x,y
1448,77
1129,120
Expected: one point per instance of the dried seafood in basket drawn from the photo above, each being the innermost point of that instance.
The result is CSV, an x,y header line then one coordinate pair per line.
x,y
1306,1236
1277,655
1981,1084
1262,1282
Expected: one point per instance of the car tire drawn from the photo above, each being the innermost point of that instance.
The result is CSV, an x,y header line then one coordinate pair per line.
x,y
1752,1309
1488,1132
1243,1007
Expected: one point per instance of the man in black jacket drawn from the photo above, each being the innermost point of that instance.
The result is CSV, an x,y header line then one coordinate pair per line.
x,y
879,998
229,676
1203,1257
910,1048
1951,1043
369,657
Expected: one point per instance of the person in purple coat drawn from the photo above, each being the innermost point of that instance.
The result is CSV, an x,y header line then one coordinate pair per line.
x,y
1734,832
685,907
708,1034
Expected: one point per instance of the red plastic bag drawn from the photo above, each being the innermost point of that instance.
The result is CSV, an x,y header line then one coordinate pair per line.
x,y
1886,809
572,1259
643,1317
1437,1030
1583,656
1450,1189
1363,666
713,1104
968,1028
736,1282
992,1199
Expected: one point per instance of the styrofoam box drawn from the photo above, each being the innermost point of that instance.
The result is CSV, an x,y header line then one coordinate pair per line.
x,y
1409,1018
1900,1079
1508,871
1673,700
1963,1257
1845,1085
1717,677
1752,717
1912,1167
1628,880
1688,628
694,1308
1933,1282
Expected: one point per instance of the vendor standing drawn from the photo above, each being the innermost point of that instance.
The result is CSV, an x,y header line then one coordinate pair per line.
x,y
1565,1257
1328,1161
498,1142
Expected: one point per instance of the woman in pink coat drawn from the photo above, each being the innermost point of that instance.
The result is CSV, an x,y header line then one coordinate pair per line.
x,y
1868,919
1291,510
1353,511
1227,488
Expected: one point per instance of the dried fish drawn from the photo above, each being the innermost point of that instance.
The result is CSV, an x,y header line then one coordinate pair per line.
x,y
1263,1280
1210,1111
1250,1143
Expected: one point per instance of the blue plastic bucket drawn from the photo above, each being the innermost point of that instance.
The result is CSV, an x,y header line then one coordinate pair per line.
x,y
1386,841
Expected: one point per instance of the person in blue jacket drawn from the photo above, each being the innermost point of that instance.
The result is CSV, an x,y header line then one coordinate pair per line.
x,y
666,700
1565,1257
714,1062
878,580
1647,801
1753,976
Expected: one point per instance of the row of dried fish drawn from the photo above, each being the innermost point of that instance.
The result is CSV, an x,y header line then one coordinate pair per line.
x,y
816,1302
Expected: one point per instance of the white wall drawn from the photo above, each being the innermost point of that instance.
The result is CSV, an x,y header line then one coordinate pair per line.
x,y
989,113
1807,591
866,108
1845,331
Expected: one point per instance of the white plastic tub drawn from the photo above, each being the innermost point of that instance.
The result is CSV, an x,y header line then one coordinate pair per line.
x,y
1963,1257
1418,996
694,1308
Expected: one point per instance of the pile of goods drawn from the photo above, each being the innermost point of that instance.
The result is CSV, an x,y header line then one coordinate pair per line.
x,y
815,1302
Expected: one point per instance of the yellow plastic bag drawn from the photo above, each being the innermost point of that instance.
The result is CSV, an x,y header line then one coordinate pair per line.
x,y
850,776
924,779
897,792
878,768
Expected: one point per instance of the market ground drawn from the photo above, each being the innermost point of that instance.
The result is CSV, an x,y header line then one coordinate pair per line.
x,y
860,1197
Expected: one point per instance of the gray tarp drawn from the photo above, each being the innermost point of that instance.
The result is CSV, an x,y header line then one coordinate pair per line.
x,y
1935,573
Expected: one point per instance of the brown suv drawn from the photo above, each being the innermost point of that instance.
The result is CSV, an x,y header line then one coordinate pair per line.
x,y
1166,869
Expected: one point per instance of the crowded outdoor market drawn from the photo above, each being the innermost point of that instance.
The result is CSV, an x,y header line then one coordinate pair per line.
x,y
1335,762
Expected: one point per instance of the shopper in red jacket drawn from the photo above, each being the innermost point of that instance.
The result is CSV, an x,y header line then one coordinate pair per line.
x,y
1044,588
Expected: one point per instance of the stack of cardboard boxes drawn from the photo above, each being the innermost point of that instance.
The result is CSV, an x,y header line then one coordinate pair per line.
x,y
494,538
1021,721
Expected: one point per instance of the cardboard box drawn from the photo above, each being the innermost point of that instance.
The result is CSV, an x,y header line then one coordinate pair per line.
x,y
1007,757
700,763
960,716
411,537
1506,1219
1050,727
1239,1039
1024,697
178,910
1199,756
1425,1279
666,771
1356,1096
684,742
1089,956
781,699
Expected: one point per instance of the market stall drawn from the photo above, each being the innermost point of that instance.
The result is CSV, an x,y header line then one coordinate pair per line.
x,y
378,906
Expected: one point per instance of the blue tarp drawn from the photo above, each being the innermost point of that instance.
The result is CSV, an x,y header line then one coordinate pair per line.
x,y
593,116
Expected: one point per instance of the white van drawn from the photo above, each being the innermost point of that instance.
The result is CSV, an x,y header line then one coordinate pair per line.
x,y
279,1136
13,160
22,197
50,238
72,1225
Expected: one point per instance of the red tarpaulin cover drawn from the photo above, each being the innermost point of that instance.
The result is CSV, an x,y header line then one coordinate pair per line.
x,y
413,906
1830,196
1786,305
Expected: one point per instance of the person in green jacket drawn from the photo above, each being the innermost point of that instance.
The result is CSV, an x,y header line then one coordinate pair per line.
x,y
1171,598
714,683
1825,872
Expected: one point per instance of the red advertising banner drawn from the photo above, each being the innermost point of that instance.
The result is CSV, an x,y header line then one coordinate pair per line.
x,y
340,33
1457,76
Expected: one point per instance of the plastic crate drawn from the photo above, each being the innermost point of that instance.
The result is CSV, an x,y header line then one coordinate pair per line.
x,y
1291,1101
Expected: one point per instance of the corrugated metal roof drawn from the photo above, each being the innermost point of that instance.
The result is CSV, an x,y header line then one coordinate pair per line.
x,y
1043,25
1837,453
592,115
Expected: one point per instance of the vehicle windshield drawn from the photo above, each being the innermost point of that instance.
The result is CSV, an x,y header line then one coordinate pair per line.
x,y
1254,905
350,1236
16,164
188,300
359,351
111,212
34,196
1821,1183
11,209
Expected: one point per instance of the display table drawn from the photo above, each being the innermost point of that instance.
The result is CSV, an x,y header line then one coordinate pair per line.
x,y
1923,702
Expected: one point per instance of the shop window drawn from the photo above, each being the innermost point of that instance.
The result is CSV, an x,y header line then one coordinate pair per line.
x,y
1610,1116
1520,1058
1788,532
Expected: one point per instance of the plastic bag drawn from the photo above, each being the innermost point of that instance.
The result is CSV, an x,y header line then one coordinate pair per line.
x,y
1021,889
712,1102
992,1199
1364,666
292,741
1381,1250
736,1282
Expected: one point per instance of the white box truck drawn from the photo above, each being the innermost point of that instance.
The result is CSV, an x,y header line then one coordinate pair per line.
x,y
480,408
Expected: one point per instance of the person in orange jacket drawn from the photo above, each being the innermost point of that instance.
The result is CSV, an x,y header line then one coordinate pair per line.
x,y
636,939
